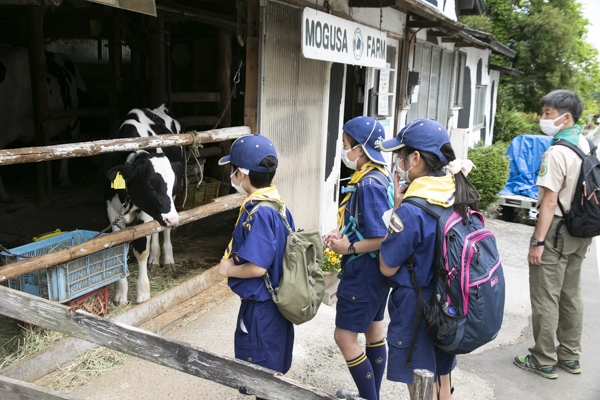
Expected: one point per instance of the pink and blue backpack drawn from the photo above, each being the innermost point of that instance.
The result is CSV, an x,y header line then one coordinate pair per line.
x,y
467,305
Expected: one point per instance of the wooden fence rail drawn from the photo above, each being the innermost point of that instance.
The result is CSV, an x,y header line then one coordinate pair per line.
x,y
85,149
13,389
109,240
150,347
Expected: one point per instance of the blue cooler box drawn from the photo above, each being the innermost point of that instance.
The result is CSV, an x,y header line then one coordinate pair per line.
x,y
75,278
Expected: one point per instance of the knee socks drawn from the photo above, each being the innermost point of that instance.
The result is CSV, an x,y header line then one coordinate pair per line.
x,y
362,373
377,355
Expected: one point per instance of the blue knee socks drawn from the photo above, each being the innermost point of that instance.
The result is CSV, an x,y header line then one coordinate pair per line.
x,y
362,373
377,355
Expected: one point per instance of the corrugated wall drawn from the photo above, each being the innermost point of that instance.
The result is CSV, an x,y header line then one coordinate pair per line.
x,y
293,96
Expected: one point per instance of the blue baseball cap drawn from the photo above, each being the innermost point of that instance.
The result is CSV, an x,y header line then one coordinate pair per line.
x,y
367,131
420,134
248,151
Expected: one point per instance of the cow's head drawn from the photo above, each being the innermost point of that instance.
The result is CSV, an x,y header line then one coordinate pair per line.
x,y
151,182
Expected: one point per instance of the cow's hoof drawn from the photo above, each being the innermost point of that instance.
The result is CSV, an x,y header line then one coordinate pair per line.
x,y
153,269
142,298
120,301
170,267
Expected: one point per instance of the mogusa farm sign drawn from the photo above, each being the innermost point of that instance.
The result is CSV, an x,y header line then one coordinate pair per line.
x,y
329,38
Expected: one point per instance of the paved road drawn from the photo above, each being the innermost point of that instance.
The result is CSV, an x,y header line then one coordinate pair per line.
x,y
487,374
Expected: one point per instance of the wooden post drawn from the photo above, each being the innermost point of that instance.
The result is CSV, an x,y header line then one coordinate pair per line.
x,y
35,38
224,80
422,385
252,48
115,56
156,60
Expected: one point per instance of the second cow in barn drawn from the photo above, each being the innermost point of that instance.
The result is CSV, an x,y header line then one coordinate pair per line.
x,y
65,90
144,185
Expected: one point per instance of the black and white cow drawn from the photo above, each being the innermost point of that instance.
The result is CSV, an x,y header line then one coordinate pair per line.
x,y
152,179
65,89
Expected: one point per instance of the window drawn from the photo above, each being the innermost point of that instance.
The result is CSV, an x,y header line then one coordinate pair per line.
x,y
461,62
434,65
480,91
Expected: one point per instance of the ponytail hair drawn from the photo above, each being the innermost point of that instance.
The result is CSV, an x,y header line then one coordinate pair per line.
x,y
466,195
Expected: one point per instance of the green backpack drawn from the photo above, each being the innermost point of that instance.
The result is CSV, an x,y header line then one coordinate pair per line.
x,y
302,285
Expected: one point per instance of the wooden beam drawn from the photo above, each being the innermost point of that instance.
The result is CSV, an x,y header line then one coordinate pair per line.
x,y
423,24
147,346
12,389
438,34
85,149
109,240
195,97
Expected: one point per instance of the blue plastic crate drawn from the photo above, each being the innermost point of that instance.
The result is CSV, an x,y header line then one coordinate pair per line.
x,y
75,278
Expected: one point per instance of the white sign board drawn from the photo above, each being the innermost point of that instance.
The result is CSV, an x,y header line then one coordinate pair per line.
x,y
329,38
384,90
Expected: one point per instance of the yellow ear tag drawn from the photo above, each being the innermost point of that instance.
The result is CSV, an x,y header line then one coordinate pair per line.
x,y
119,182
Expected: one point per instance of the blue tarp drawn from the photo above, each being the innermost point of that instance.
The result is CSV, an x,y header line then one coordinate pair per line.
x,y
525,154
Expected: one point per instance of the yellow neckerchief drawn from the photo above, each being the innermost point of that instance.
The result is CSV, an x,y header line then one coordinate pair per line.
x,y
438,190
267,193
354,179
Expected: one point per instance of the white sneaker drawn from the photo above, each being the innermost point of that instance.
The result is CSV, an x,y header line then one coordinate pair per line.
x,y
346,394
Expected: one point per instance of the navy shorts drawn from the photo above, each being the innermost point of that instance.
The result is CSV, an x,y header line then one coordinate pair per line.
x,y
361,295
263,336
402,308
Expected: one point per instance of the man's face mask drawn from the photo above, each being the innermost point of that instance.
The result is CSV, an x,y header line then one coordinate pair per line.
x,y
547,125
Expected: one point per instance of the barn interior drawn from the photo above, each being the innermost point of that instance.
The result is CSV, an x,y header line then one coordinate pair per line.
x,y
186,56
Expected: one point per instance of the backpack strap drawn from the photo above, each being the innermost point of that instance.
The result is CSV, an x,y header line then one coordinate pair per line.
x,y
436,212
281,212
581,155
353,226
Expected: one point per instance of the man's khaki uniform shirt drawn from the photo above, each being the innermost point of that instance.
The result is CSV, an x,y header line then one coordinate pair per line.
x,y
559,172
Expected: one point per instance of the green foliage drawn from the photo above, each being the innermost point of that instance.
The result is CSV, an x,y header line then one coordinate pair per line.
x,y
510,123
491,171
553,52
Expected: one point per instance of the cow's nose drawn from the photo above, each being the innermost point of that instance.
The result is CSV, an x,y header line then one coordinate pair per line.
x,y
172,220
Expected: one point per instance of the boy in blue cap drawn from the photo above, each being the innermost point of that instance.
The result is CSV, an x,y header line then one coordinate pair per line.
x,y
363,290
262,336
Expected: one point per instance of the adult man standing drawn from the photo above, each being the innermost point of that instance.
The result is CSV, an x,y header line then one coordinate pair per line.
x,y
555,257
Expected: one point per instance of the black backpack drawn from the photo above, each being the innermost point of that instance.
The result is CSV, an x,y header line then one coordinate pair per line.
x,y
583,218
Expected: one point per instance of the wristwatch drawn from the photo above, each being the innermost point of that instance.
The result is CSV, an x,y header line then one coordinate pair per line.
x,y
535,242
351,249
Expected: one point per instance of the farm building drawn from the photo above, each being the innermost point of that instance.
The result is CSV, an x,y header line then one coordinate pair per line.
x,y
292,70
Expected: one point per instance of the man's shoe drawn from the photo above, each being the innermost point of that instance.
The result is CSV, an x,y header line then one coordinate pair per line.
x,y
346,394
571,366
526,363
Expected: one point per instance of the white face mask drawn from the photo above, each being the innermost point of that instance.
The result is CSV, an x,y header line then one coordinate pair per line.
x,y
547,126
346,160
402,173
239,187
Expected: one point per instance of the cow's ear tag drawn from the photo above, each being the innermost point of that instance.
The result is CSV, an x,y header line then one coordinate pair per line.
x,y
119,182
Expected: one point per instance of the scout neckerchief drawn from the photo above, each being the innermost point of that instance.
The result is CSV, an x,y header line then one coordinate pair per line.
x,y
354,180
438,190
571,134
268,193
